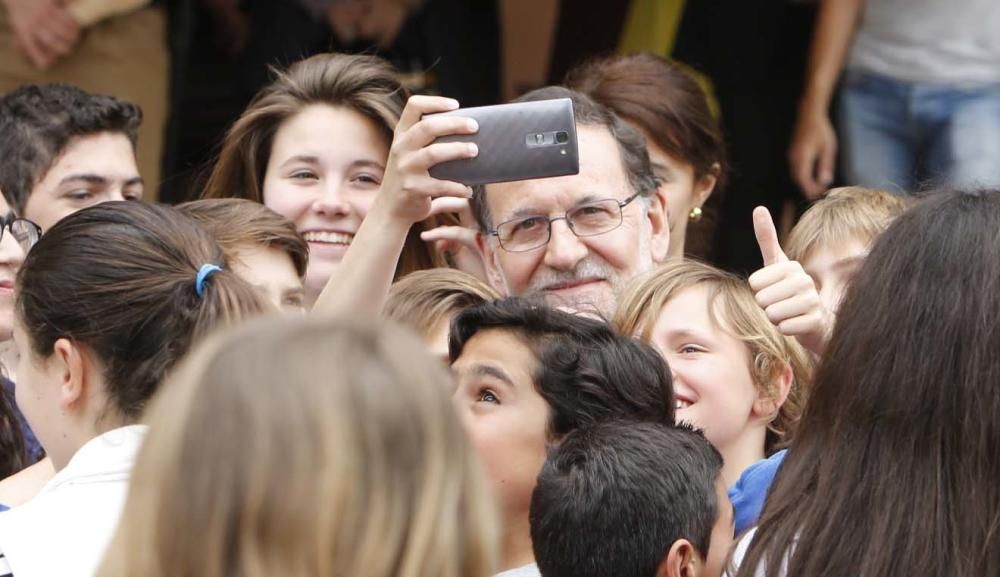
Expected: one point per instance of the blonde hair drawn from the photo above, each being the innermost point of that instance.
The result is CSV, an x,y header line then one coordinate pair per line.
x,y
732,308
851,212
423,299
306,449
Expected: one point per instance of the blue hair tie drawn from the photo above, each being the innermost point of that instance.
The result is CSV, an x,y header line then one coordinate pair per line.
x,y
204,272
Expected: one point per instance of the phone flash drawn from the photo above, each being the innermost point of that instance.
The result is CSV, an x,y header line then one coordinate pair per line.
x,y
563,152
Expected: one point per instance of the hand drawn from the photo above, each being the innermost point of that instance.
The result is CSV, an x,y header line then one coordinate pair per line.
x,y
409,194
813,154
43,30
459,241
786,293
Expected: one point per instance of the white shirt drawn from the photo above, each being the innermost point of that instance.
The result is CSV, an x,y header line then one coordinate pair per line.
x,y
65,529
944,42
525,571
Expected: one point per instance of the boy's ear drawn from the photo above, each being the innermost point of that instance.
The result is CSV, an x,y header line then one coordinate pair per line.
x,y
681,561
767,406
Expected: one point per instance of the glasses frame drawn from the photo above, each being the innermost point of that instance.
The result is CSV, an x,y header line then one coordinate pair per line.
x,y
7,224
495,231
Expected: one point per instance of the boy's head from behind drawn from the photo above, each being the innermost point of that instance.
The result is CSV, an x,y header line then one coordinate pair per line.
x,y
833,237
631,500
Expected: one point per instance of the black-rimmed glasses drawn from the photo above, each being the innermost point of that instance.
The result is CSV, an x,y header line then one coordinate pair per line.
x,y
25,232
591,219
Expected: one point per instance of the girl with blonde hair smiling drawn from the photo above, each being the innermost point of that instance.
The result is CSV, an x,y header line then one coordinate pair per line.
x,y
339,454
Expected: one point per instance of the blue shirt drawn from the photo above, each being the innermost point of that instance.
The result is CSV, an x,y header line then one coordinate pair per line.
x,y
750,491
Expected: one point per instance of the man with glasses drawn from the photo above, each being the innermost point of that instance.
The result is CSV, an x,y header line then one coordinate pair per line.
x,y
576,240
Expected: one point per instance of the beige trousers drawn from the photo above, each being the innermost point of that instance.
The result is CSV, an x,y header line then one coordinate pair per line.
x,y
124,56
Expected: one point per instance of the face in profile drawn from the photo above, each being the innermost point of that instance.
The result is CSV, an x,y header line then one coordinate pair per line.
x,y
325,168
11,258
579,273
680,189
271,271
711,369
832,267
90,170
504,415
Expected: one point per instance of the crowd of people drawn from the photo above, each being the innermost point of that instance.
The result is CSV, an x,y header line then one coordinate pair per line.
x,y
335,364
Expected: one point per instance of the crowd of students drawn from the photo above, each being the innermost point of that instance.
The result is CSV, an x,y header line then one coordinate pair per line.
x,y
335,364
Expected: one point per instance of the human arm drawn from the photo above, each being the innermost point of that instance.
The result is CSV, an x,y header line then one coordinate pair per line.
x,y
813,152
360,283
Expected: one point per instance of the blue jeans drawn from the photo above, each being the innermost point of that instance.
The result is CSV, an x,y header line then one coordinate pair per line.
x,y
905,137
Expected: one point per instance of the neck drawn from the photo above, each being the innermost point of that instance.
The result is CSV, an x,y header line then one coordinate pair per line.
x,y
85,429
8,358
741,453
516,548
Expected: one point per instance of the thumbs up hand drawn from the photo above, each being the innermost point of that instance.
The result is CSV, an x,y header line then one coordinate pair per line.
x,y
785,292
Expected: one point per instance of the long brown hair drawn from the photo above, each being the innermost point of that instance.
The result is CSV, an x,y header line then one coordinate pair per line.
x,y
894,471
662,98
365,84
338,453
120,278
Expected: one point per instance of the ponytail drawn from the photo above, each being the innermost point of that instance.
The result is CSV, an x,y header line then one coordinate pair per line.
x,y
122,279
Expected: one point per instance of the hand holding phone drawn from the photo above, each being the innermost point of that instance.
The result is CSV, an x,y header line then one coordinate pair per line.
x,y
518,141
409,194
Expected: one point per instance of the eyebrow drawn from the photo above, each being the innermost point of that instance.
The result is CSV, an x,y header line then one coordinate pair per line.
x,y
87,177
668,174
367,163
586,199
849,261
688,333
492,371
97,179
303,158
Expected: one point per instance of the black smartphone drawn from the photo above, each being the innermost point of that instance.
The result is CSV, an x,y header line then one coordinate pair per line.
x,y
518,141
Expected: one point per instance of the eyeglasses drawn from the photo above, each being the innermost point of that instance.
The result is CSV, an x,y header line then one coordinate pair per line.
x,y
25,232
591,219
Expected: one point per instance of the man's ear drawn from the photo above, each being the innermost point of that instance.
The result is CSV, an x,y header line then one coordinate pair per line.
x,y
681,561
69,363
659,227
491,262
767,405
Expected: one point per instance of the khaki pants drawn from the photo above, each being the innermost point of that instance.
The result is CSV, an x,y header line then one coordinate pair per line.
x,y
124,56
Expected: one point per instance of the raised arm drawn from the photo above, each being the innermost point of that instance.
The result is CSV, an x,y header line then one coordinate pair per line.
x,y
408,195
813,152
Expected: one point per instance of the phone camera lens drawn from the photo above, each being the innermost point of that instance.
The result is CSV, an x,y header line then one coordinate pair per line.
x,y
562,137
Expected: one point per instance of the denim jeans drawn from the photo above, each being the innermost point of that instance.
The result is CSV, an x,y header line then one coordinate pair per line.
x,y
905,137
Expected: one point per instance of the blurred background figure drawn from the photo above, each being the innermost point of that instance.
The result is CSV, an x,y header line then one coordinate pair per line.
x,y
920,96
108,47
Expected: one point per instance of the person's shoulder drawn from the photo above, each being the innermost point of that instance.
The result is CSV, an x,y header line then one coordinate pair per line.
x,y
21,487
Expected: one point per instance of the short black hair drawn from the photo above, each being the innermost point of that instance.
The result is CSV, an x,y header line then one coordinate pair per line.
x,y
587,373
613,498
588,112
38,121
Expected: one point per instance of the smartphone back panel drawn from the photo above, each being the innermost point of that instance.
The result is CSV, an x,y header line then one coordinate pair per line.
x,y
518,141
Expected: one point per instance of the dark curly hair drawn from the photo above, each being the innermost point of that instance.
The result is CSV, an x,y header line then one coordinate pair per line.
x,y
38,121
